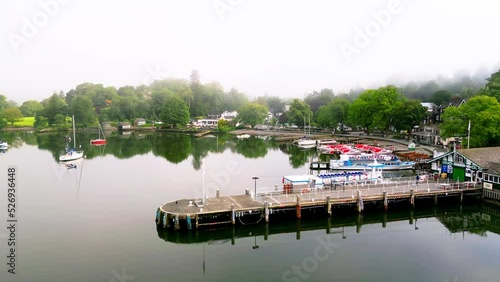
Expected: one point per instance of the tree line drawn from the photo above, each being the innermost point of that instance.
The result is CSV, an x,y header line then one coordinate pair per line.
x,y
178,101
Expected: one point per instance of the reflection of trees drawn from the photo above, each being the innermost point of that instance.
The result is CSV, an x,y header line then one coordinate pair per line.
x,y
201,146
173,147
297,156
252,147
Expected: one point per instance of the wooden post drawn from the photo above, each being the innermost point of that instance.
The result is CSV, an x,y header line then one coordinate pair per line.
x,y
233,217
196,221
461,196
386,202
360,202
435,199
328,206
298,211
411,217
266,211
266,231
217,193
412,198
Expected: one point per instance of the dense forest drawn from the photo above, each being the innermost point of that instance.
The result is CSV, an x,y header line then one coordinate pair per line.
x,y
178,102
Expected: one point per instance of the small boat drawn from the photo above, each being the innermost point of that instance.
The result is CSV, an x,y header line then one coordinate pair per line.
x,y
4,145
305,142
72,153
243,136
99,141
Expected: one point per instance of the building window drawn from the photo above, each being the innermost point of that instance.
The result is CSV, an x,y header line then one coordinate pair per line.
x,y
495,179
459,159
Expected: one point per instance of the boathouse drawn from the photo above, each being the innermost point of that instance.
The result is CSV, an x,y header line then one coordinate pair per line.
x,y
468,164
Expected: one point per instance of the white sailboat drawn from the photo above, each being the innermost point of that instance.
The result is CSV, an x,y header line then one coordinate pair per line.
x,y
72,153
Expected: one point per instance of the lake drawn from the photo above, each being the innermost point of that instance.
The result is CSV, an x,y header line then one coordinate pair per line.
x,y
96,222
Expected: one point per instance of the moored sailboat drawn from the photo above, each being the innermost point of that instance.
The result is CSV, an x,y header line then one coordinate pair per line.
x,y
100,140
72,153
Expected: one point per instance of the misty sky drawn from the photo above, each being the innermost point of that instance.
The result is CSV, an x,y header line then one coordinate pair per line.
x,y
280,47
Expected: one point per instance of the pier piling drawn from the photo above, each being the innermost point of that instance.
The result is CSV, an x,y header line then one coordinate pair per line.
x,y
328,206
298,211
386,202
266,211
233,218
360,202
412,197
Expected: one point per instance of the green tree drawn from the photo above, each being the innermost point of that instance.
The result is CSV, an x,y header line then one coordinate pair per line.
x,y
234,100
408,114
252,114
30,108
373,109
3,103
318,99
334,113
441,97
175,112
275,104
299,113
492,87
83,109
483,112
12,115
53,106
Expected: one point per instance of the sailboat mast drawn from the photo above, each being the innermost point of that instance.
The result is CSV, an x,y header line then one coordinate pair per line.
x,y
74,134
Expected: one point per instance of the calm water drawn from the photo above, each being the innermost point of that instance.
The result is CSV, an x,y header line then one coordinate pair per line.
x,y
96,222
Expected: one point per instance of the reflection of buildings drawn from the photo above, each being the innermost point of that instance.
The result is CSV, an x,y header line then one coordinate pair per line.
x,y
340,224
487,218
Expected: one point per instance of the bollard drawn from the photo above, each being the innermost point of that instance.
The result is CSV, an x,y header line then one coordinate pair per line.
x,y
461,196
196,221
217,193
247,191
435,199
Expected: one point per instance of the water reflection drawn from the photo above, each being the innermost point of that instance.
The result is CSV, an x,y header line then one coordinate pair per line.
x,y
174,147
475,220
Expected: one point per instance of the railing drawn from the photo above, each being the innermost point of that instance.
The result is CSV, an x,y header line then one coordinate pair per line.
x,y
491,194
366,190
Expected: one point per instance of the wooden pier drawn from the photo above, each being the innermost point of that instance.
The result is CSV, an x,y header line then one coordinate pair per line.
x,y
250,208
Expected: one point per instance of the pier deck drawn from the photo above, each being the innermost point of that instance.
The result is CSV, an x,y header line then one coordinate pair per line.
x,y
225,209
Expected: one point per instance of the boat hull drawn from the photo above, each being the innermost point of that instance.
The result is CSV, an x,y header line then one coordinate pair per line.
x,y
70,156
98,142
362,167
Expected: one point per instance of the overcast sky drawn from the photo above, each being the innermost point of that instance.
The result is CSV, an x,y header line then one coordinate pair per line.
x,y
280,47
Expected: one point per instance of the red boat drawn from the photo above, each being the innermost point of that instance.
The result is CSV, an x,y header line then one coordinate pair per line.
x,y
99,141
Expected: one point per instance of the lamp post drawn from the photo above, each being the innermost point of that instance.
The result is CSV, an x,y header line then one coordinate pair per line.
x,y
255,186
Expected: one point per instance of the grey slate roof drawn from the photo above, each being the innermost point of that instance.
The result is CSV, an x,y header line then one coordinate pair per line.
x,y
488,157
